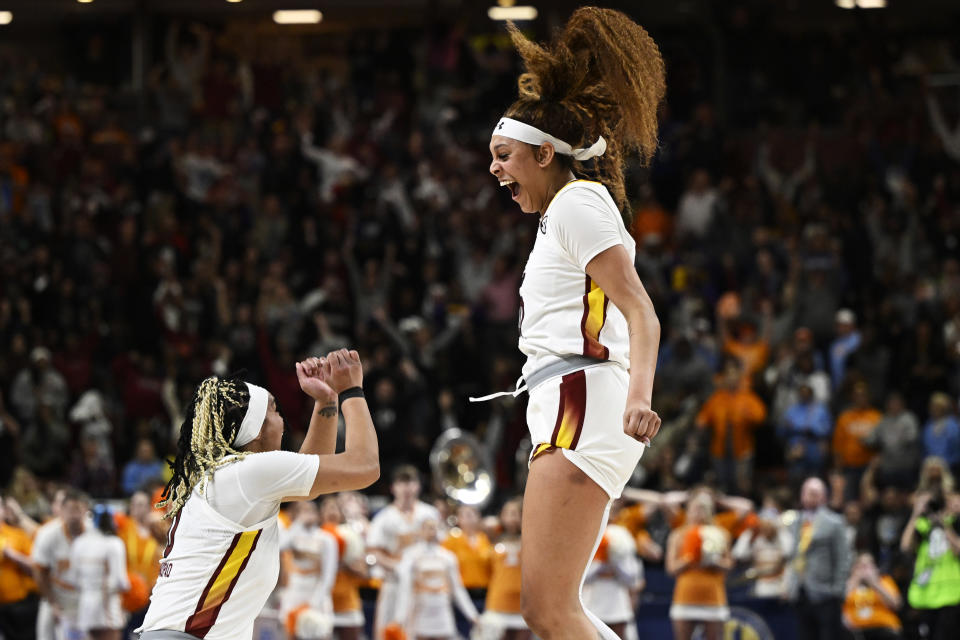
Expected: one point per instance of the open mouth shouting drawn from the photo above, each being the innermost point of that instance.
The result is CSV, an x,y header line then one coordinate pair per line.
x,y
514,187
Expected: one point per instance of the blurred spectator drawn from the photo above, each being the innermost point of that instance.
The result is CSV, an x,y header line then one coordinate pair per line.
x,y
765,549
90,412
98,572
732,414
805,432
45,444
145,467
141,531
51,558
820,564
871,602
38,385
854,425
695,212
897,440
472,548
18,597
9,437
847,341
91,471
941,434
932,534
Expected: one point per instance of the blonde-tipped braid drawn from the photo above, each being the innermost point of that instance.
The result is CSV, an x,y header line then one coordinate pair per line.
x,y
203,446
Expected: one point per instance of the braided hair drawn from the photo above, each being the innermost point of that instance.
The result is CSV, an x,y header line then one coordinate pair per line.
x,y
211,423
601,75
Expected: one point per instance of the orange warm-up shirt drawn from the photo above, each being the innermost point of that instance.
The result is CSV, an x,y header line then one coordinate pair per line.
x,y
741,412
852,426
503,595
865,609
15,583
473,556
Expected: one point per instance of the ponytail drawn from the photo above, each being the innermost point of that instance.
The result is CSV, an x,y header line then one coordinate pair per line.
x,y
602,75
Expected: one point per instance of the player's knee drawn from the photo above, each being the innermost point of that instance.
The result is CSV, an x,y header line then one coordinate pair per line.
x,y
545,612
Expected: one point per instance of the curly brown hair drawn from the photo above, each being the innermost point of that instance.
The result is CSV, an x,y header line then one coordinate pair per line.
x,y
601,75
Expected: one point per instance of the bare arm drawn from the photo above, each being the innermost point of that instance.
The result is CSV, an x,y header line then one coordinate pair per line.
x,y
909,532
613,272
673,564
359,464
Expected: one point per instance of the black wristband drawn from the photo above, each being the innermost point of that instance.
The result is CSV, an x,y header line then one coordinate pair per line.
x,y
352,392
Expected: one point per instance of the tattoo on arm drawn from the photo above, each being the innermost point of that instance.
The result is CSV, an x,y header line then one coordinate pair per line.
x,y
328,411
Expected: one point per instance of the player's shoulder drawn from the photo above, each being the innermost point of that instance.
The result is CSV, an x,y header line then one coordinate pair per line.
x,y
579,195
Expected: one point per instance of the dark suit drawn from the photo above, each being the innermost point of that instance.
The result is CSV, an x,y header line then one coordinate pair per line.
x,y
818,574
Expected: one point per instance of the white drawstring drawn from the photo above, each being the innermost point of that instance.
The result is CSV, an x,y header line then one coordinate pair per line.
x,y
519,388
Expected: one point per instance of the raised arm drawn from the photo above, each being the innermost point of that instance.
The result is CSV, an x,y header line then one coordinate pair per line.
x,y
614,272
321,438
358,466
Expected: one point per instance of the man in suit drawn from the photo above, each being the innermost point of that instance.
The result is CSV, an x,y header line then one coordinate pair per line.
x,y
820,565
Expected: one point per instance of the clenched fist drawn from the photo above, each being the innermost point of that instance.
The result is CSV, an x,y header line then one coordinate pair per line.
x,y
640,422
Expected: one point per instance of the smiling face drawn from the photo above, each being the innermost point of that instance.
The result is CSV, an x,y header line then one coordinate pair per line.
x,y
531,175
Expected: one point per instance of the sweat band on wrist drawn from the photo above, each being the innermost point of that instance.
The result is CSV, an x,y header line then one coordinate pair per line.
x,y
352,392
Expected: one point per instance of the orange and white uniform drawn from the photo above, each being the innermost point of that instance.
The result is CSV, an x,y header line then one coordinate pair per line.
x,y
429,585
310,558
473,555
610,597
502,609
51,550
347,606
393,531
699,592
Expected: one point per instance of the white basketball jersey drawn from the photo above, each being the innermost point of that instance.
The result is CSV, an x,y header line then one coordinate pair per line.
x,y
216,575
51,549
562,311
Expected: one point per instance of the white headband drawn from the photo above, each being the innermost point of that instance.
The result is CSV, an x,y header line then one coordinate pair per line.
x,y
516,130
256,414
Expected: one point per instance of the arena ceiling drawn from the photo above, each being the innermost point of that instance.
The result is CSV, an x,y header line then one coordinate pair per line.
x,y
796,14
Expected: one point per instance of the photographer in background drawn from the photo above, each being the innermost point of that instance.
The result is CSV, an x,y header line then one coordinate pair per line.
x,y
934,532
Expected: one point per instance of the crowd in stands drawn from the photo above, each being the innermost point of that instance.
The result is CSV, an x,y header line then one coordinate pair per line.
x,y
802,250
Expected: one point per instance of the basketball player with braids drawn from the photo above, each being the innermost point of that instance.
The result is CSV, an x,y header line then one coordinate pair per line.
x,y
222,556
587,326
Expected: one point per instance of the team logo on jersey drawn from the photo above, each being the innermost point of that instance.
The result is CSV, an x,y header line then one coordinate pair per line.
x,y
543,225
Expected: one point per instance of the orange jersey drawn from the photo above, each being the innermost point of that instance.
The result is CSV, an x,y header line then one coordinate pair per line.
x,y
852,426
865,609
143,552
697,586
473,556
15,583
634,520
503,594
